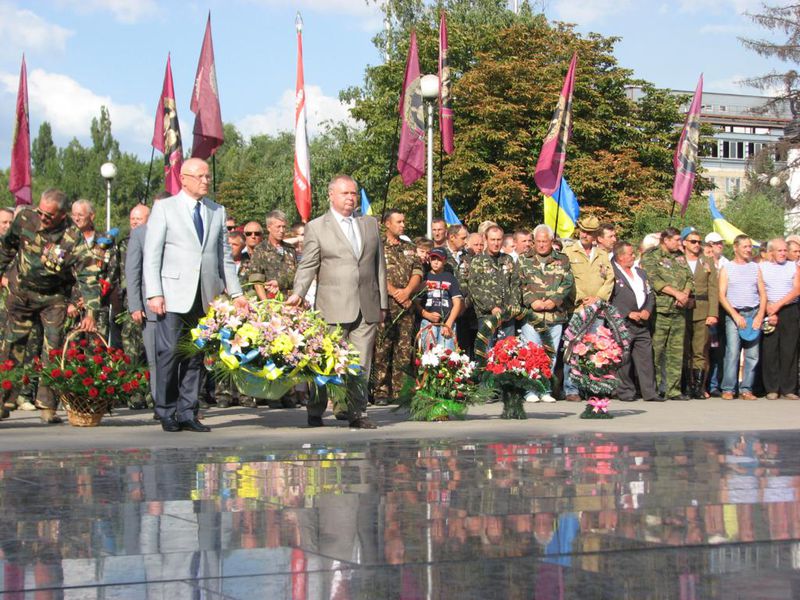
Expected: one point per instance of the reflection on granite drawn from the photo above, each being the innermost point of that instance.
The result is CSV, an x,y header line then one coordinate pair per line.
x,y
590,517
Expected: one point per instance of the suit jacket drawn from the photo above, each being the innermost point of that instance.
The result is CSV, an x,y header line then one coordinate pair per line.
x,y
706,289
134,261
176,262
623,297
346,284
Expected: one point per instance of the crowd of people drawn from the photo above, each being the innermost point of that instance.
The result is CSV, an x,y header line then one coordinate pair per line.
x,y
701,324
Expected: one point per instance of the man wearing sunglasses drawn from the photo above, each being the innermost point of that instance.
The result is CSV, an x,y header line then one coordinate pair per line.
x,y
253,234
49,256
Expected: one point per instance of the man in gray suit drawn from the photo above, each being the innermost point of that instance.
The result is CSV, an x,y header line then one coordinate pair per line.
x,y
345,256
187,263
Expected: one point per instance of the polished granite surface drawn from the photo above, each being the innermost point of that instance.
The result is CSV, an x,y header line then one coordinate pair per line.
x,y
586,516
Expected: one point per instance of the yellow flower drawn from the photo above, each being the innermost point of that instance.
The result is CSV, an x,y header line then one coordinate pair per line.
x,y
282,345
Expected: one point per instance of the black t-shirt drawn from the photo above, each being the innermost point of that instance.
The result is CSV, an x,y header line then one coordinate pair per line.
x,y
441,289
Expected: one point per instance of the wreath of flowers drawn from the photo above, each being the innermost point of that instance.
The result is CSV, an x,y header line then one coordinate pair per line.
x,y
515,367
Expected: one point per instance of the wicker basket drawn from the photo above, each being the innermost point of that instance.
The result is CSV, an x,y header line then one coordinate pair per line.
x,y
82,411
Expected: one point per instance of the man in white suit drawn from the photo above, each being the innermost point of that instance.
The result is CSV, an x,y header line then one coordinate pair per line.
x,y
345,256
187,263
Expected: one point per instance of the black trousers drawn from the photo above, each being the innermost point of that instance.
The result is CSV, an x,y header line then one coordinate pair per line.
x,y
178,377
640,359
779,353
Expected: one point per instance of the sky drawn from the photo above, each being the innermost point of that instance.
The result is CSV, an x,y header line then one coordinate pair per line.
x,y
82,54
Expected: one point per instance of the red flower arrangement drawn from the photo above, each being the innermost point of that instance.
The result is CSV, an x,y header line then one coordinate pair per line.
x,y
516,367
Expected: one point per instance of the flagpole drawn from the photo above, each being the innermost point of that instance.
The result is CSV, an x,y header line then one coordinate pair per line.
x,y
149,175
558,210
214,174
671,212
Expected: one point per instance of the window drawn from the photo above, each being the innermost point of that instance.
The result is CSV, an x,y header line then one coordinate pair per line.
x,y
732,185
761,130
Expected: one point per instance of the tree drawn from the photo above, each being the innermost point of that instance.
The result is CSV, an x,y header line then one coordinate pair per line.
x,y
44,154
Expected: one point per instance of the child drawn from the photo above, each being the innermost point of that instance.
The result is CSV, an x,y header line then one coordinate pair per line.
x,y
441,304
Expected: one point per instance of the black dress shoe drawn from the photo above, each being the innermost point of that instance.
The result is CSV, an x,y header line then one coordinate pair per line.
x,y
315,422
342,416
193,425
362,423
656,399
627,399
681,397
170,424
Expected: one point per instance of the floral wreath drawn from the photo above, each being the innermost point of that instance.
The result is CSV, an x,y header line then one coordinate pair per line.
x,y
582,323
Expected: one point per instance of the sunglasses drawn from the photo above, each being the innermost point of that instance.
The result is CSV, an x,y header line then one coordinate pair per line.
x,y
46,215
230,227
253,233
691,242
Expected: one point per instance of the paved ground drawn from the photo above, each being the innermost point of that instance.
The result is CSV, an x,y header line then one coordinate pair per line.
x,y
241,427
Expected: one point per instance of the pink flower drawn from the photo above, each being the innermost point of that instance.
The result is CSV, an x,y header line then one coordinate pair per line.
x,y
599,404
580,349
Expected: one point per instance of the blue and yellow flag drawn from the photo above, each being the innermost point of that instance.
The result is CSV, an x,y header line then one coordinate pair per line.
x,y
564,203
721,224
450,216
366,207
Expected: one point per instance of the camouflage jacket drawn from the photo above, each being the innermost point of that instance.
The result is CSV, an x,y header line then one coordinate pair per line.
x,y
453,263
243,272
665,268
270,263
107,257
402,263
49,262
489,281
546,278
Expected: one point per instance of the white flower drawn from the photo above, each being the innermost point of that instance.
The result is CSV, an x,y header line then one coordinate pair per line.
x,y
429,359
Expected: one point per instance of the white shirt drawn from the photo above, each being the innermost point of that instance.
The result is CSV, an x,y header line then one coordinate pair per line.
x,y
692,264
190,203
343,224
637,285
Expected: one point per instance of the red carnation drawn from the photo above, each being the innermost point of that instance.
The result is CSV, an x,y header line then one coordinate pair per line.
x,y
106,369
7,385
54,353
87,381
126,388
71,353
126,359
97,359
80,357
68,373
84,343
110,390
134,384
102,377
147,375
25,380
81,370
93,393
55,373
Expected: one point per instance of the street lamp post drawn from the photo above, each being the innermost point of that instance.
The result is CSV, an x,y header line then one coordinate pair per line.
x,y
430,92
108,171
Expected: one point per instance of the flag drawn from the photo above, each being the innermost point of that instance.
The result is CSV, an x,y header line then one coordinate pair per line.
x,y
550,164
208,133
721,224
366,207
167,134
411,155
685,160
450,216
563,203
445,110
302,165
19,176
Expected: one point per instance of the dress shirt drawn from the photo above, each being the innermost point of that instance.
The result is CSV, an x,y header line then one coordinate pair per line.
x,y
637,285
342,221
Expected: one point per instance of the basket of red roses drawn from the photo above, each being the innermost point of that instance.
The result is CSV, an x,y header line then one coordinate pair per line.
x,y
515,367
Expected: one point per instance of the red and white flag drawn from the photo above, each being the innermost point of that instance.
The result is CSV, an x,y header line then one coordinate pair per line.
x,y
208,132
167,134
302,166
19,177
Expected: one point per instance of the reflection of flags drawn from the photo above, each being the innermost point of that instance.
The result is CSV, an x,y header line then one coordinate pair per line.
x,y
167,134
445,110
721,224
564,203
19,175
302,165
685,160
450,216
208,133
411,155
553,155
366,207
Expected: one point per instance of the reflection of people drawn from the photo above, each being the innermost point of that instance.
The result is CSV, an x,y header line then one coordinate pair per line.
x,y
345,255
187,263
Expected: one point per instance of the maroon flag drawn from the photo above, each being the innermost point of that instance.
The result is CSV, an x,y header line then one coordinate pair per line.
x,y
411,155
19,177
550,165
685,160
445,110
302,164
167,134
208,134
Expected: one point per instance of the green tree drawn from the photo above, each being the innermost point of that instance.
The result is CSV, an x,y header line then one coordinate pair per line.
x,y
44,154
757,214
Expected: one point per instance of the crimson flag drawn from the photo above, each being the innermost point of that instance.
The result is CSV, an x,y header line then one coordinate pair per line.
x,y
302,166
685,160
550,165
411,154
445,98
208,133
167,134
19,177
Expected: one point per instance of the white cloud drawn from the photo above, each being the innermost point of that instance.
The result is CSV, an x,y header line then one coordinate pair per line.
x,y
720,6
124,11
280,116
583,12
24,31
69,107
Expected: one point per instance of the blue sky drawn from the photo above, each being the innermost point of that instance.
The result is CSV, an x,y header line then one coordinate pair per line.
x,y
84,53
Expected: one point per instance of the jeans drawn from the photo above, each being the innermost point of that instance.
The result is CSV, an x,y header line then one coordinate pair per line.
x,y
529,334
735,344
435,338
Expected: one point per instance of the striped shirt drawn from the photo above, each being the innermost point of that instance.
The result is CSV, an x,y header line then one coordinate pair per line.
x,y
778,279
742,284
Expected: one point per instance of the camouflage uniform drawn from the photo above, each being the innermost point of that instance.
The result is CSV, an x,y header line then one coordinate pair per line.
x,y
46,265
666,268
106,256
489,282
277,263
394,344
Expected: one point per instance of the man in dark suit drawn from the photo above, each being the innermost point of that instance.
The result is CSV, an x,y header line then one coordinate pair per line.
x,y
345,256
187,263
634,299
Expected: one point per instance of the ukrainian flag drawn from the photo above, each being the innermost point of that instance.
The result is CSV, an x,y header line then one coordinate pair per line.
x,y
567,209
450,216
366,207
721,225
